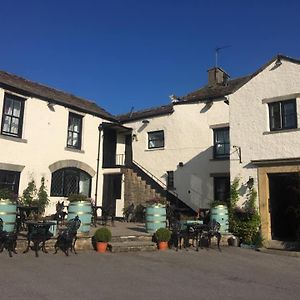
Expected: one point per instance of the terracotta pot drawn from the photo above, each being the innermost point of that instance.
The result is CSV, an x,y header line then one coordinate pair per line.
x,y
163,245
101,247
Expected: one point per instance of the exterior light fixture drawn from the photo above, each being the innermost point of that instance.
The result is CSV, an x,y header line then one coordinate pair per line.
x,y
250,182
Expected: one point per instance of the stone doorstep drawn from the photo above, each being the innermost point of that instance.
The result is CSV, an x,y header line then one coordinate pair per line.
x,y
130,246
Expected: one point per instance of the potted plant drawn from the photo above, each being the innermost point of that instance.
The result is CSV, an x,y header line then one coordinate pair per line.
x,y
162,236
102,236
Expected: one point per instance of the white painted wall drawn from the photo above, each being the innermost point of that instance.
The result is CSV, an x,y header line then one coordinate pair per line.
x,y
249,120
45,132
188,139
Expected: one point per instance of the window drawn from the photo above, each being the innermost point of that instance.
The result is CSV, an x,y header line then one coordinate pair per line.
x,y
283,115
10,180
12,117
70,181
156,139
74,131
221,188
221,143
170,180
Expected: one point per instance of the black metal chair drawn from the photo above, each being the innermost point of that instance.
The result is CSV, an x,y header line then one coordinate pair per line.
x,y
60,214
38,234
67,237
8,240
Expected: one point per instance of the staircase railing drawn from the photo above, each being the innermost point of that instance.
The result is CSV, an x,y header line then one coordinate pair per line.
x,y
161,183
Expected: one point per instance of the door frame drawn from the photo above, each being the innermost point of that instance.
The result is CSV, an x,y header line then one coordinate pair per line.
x,y
264,194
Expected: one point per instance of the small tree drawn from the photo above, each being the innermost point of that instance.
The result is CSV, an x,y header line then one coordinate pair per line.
x,y
29,194
42,197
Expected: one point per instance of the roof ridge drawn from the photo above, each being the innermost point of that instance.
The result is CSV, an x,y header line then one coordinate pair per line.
x,y
46,86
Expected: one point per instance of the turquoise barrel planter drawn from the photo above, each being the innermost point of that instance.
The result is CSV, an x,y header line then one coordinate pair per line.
x,y
8,213
220,214
82,209
155,218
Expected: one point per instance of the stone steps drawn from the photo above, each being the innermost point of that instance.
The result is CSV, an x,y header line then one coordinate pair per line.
x,y
118,243
132,246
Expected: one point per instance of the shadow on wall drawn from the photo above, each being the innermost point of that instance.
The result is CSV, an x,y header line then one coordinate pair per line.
x,y
193,180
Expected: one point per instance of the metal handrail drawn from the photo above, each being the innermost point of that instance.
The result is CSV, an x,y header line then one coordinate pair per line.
x,y
155,178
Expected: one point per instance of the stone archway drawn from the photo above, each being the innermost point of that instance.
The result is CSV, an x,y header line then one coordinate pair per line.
x,y
71,163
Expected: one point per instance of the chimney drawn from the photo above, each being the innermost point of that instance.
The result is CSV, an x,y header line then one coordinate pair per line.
x,y
217,76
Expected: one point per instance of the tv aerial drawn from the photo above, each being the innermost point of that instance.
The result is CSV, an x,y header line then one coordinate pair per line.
x,y
217,50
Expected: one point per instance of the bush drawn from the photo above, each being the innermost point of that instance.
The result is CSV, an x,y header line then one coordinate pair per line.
x,y
244,222
163,235
77,197
102,235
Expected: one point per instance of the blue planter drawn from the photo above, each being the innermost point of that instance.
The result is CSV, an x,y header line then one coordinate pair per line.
x,y
220,214
155,218
8,213
83,210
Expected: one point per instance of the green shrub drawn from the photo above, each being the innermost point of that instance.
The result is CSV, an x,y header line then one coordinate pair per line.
x,y
7,194
163,235
77,197
102,234
244,222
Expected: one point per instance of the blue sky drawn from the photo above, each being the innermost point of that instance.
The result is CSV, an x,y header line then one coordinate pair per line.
x,y
135,53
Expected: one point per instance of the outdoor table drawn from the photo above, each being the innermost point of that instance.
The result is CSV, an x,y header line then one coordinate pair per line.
x,y
38,233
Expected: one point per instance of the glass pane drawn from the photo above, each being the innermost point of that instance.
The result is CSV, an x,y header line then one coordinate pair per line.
x,y
84,184
14,126
274,110
6,124
8,106
17,109
75,140
289,115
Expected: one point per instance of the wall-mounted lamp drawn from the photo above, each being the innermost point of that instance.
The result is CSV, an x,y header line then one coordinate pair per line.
x,y
134,137
250,182
239,152
180,164
145,121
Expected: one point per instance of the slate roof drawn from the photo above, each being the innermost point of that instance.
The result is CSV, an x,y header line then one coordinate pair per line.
x,y
147,113
29,88
214,91
205,93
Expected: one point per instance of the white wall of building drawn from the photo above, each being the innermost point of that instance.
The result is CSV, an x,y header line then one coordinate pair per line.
x,y
188,139
44,142
249,120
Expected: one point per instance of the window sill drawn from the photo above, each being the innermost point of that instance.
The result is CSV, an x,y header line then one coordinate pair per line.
x,y
280,131
155,149
12,138
74,150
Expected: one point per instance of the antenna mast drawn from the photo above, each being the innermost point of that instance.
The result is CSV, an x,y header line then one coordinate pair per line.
x,y
217,50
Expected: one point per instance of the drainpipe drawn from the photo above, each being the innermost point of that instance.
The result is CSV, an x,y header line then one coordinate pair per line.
x,y
98,162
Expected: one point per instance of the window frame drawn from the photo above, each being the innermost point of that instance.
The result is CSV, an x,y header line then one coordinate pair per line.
x,y
281,116
151,140
63,189
216,155
14,185
21,100
226,193
73,116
